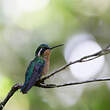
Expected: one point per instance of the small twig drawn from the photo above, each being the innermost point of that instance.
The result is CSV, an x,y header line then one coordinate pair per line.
x,y
10,94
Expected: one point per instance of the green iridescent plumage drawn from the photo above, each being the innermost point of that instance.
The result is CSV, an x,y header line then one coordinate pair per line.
x,y
33,73
37,60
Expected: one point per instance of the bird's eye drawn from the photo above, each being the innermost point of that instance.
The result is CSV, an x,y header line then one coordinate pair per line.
x,y
41,51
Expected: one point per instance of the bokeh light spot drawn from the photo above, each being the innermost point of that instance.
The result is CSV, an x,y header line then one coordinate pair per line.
x,y
85,70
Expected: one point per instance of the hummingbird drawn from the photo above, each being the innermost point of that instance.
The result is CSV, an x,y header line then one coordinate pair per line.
x,y
38,66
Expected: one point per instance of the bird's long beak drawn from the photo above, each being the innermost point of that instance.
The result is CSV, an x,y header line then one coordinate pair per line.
x,y
56,46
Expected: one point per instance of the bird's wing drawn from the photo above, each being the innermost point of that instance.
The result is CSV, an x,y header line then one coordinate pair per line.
x,y
29,71
33,74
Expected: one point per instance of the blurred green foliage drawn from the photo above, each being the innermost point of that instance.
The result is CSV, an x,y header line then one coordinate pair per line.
x,y
21,35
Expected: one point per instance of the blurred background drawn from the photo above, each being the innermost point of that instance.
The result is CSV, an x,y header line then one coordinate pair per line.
x,y
82,25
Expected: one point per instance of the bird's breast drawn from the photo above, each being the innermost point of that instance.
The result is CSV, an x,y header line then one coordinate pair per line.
x,y
46,67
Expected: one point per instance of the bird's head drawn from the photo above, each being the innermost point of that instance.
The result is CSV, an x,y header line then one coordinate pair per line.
x,y
44,49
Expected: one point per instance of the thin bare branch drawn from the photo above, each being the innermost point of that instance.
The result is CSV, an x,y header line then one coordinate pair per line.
x,y
74,83
10,94
83,59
